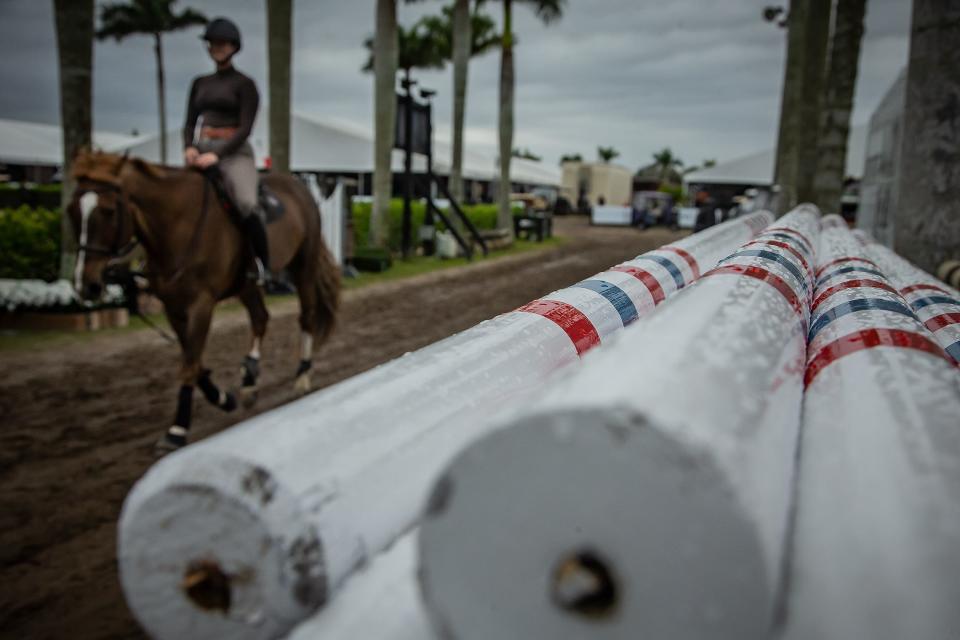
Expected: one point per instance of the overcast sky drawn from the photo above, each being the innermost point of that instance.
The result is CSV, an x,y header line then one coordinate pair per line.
x,y
700,76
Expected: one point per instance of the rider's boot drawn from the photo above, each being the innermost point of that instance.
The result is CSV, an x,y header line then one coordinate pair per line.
x,y
256,231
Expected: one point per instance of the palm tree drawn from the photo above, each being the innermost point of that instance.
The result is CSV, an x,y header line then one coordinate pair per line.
x,y
666,162
74,22
607,154
384,59
547,11
419,47
838,103
807,25
279,37
571,157
526,154
464,35
151,17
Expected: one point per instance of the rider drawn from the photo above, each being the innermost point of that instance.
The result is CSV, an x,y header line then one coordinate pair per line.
x,y
225,102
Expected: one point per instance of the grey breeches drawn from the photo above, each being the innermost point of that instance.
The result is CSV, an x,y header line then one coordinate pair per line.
x,y
239,174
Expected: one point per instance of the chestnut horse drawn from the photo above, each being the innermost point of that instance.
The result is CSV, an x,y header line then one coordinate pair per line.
x,y
196,257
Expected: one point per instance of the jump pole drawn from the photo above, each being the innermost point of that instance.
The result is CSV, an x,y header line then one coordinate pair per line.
x,y
247,533
936,303
648,493
379,602
878,502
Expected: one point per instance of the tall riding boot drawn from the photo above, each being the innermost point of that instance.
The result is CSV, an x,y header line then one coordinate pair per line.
x,y
256,231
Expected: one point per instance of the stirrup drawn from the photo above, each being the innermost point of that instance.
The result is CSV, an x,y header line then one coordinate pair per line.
x,y
261,275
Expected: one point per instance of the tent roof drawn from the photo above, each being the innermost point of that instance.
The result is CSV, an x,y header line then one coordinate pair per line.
x,y
327,147
42,144
757,168
315,146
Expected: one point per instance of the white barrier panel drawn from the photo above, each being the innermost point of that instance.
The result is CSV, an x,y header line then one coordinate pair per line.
x,y
247,533
936,304
877,539
647,495
611,215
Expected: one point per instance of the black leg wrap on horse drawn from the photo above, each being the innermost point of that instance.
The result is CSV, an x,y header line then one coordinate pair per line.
x,y
184,407
210,390
212,393
304,367
251,371
257,232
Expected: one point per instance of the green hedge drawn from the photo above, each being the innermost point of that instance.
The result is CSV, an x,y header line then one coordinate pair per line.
x,y
29,243
30,237
483,216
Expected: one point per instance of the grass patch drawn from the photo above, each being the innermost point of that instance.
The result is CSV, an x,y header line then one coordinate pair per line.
x,y
425,264
11,340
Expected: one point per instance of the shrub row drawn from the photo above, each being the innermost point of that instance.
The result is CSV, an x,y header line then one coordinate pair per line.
x,y
29,243
483,216
30,237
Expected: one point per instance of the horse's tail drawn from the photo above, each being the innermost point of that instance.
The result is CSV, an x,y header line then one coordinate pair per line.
x,y
326,281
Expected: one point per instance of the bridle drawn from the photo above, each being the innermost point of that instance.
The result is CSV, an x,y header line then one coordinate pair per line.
x,y
122,218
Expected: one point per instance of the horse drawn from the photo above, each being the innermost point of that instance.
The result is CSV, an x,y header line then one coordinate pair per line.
x,y
197,257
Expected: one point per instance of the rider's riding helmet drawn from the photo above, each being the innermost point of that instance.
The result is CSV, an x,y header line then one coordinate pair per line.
x,y
222,29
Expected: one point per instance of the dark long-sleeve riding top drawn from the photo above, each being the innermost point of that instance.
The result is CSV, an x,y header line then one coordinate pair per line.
x,y
226,98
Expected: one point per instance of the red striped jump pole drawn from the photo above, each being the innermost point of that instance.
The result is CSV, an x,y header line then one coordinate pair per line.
x,y
878,498
646,495
936,303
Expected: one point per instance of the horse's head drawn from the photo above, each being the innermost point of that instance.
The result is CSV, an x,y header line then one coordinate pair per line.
x,y
101,217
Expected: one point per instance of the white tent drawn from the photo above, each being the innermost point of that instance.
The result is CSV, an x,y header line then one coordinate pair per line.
x,y
316,146
757,168
34,143
324,147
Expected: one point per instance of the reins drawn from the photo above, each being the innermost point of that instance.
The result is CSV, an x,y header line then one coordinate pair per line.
x,y
197,231
116,252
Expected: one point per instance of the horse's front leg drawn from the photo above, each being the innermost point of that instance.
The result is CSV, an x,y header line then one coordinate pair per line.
x,y
252,299
192,327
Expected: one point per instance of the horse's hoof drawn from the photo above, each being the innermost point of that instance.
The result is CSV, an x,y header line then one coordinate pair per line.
x,y
302,383
248,396
228,401
170,441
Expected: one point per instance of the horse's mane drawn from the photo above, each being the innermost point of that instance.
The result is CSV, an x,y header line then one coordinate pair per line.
x,y
106,167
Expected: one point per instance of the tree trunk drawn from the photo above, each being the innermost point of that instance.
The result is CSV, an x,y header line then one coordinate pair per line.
x,y
816,40
838,104
385,51
279,21
927,228
74,22
461,60
809,22
504,216
158,48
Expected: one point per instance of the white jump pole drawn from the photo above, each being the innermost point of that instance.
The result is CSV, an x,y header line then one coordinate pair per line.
x,y
379,602
245,534
647,495
936,303
877,539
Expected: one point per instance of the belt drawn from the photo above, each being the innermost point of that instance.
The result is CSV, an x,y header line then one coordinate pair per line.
x,y
217,133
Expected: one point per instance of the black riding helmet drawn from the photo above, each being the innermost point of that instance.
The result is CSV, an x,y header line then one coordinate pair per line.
x,y
222,29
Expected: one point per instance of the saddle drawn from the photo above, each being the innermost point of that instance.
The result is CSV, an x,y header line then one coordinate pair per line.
x,y
270,205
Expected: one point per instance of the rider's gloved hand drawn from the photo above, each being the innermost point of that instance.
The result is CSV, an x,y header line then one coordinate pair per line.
x,y
206,160
190,155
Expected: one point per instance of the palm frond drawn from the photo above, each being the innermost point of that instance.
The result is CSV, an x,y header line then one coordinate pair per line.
x,y
186,18
119,21
547,10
